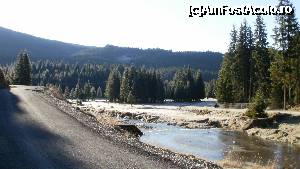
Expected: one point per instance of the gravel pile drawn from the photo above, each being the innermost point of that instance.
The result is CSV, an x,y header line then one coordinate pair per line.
x,y
124,140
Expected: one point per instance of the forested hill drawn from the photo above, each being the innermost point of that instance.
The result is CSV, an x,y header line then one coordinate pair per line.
x,y
151,57
12,42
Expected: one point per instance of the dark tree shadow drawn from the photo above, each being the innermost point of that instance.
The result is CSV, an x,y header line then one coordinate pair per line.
x,y
285,118
25,144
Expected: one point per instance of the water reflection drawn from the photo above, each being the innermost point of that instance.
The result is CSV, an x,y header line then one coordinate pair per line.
x,y
218,144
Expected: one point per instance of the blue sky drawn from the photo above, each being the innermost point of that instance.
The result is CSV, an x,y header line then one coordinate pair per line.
x,y
132,23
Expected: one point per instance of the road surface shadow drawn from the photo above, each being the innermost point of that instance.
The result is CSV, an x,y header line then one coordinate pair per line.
x,y
24,143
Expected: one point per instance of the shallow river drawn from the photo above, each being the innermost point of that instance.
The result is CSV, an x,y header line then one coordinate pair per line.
x,y
219,144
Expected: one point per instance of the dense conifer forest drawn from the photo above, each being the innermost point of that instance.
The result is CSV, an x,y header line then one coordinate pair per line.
x,y
119,83
253,67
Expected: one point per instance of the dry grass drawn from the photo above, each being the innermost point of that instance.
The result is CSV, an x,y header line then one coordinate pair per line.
x,y
197,111
231,164
297,108
107,120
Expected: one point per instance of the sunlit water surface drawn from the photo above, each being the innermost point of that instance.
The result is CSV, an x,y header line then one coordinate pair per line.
x,y
219,144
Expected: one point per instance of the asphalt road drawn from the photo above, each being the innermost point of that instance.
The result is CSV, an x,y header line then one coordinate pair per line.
x,y
34,134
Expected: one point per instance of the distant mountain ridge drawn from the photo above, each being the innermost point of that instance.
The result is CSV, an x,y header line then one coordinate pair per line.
x,y
11,42
150,57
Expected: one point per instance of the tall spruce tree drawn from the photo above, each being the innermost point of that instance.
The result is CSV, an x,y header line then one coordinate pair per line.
x,y
282,67
93,93
160,91
72,94
3,83
250,49
210,89
199,87
225,88
77,92
112,90
23,70
261,59
241,65
99,92
180,86
294,50
67,93
127,84
87,91
224,84
276,74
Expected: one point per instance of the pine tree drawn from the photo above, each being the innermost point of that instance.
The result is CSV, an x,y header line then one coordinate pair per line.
x,y
127,84
224,84
199,87
286,29
130,98
93,93
3,83
140,86
151,84
87,91
189,84
186,87
210,89
112,91
258,106
77,92
60,91
23,70
241,66
160,91
144,87
124,88
72,94
179,86
224,88
294,51
261,59
67,93
99,92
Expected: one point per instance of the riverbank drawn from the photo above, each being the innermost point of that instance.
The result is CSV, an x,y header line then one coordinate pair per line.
x,y
103,117
281,126
184,116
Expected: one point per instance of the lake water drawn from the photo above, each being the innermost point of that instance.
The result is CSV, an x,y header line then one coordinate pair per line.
x,y
219,144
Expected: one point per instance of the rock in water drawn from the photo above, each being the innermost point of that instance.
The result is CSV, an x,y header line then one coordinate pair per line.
x,y
132,129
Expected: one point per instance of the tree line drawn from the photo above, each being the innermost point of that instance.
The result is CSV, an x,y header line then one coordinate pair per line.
x,y
253,68
186,86
22,75
135,86
117,83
